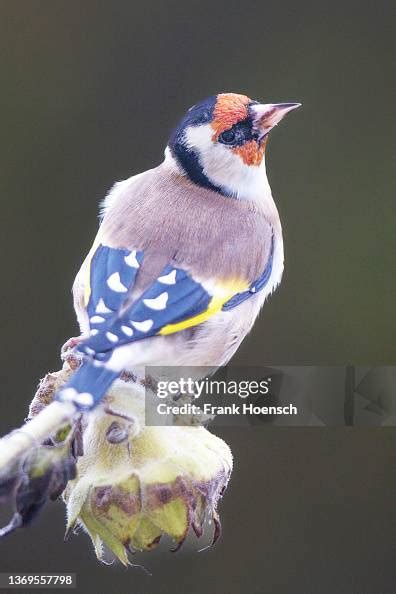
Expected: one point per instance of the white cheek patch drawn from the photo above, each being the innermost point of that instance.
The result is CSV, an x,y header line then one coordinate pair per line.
x,y
199,137
223,167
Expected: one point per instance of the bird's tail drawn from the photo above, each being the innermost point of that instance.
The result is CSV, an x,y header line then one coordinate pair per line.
x,y
87,386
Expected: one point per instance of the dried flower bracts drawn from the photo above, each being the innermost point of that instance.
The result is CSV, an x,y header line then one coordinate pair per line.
x,y
126,484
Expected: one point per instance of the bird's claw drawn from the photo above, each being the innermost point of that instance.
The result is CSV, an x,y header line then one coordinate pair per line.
x,y
69,354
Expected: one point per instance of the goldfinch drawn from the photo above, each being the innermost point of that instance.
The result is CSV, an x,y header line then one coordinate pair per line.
x,y
186,253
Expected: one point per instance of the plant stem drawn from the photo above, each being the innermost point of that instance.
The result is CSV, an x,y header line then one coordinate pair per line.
x,y
31,434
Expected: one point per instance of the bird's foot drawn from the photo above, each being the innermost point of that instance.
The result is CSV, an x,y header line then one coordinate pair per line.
x,y
69,354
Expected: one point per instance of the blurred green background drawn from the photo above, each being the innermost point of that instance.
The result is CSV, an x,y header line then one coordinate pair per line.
x,y
90,92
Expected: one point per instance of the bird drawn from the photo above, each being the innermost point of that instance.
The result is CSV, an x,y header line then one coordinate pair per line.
x,y
186,253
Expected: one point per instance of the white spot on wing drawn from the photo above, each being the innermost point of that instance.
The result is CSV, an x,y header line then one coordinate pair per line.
x,y
115,284
94,331
71,395
131,260
168,279
68,394
89,351
112,337
158,302
144,326
96,319
84,399
101,307
127,330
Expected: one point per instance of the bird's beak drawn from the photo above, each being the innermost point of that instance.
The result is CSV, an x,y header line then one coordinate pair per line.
x,y
265,117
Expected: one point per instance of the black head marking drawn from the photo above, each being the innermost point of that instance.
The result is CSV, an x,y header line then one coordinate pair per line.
x,y
239,133
201,113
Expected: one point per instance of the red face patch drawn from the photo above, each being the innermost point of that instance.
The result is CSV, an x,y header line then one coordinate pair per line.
x,y
251,152
229,110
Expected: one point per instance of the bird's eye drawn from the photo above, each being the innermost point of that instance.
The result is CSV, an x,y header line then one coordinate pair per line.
x,y
227,137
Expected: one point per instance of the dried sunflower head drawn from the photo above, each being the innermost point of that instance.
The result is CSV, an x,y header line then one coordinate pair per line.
x,y
136,483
